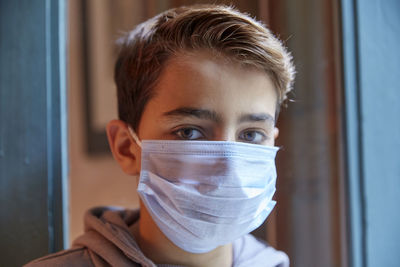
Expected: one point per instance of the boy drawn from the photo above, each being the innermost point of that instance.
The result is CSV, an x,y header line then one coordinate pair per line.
x,y
199,90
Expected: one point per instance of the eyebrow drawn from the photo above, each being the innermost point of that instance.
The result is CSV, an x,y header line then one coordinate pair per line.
x,y
206,114
259,117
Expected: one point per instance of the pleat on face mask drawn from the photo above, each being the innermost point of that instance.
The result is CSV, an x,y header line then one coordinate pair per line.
x,y
203,194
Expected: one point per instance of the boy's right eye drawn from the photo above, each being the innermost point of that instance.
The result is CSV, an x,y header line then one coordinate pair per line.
x,y
188,133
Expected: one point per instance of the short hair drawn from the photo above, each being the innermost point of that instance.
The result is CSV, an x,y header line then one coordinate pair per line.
x,y
220,29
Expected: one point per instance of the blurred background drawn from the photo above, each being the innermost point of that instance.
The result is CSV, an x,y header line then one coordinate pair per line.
x,y
338,182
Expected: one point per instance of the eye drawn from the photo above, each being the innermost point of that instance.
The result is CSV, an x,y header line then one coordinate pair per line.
x,y
252,136
188,133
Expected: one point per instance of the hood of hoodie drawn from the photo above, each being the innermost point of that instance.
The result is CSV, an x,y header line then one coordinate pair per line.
x,y
107,235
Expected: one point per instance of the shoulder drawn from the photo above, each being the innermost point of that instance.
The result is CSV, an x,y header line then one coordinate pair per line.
x,y
250,251
70,257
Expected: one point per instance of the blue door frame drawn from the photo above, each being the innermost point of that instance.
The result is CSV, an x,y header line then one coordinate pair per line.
x,y
371,64
33,141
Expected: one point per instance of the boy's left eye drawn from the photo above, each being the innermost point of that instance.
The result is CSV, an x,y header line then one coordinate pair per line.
x,y
252,136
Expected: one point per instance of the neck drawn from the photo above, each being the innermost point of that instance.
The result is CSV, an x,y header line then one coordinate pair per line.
x,y
158,248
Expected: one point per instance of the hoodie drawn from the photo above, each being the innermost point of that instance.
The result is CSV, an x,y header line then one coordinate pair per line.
x,y
107,241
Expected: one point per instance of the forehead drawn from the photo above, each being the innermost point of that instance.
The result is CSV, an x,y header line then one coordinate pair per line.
x,y
206,81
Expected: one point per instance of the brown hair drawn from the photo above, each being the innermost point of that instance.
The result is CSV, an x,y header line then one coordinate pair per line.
x,y
219,29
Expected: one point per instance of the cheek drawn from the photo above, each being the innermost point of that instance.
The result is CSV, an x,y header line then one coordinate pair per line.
x,y
270,142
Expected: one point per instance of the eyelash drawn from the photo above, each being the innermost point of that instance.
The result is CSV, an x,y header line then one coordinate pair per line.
x,y
183,128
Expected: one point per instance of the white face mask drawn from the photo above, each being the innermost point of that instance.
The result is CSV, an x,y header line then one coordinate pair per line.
x,y
203,194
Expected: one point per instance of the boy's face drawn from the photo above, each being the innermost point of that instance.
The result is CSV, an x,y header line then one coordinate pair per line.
x,y
200,97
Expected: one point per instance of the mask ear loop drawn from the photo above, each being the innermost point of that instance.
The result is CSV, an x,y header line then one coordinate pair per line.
x,y
135,137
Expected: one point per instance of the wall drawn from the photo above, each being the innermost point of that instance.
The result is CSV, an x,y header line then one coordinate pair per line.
x,y
94,180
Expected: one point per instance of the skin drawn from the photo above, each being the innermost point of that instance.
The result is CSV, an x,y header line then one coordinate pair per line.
x,y
198,97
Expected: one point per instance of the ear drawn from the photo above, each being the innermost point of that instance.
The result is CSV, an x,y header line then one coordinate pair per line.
x,y
276,133
124,149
